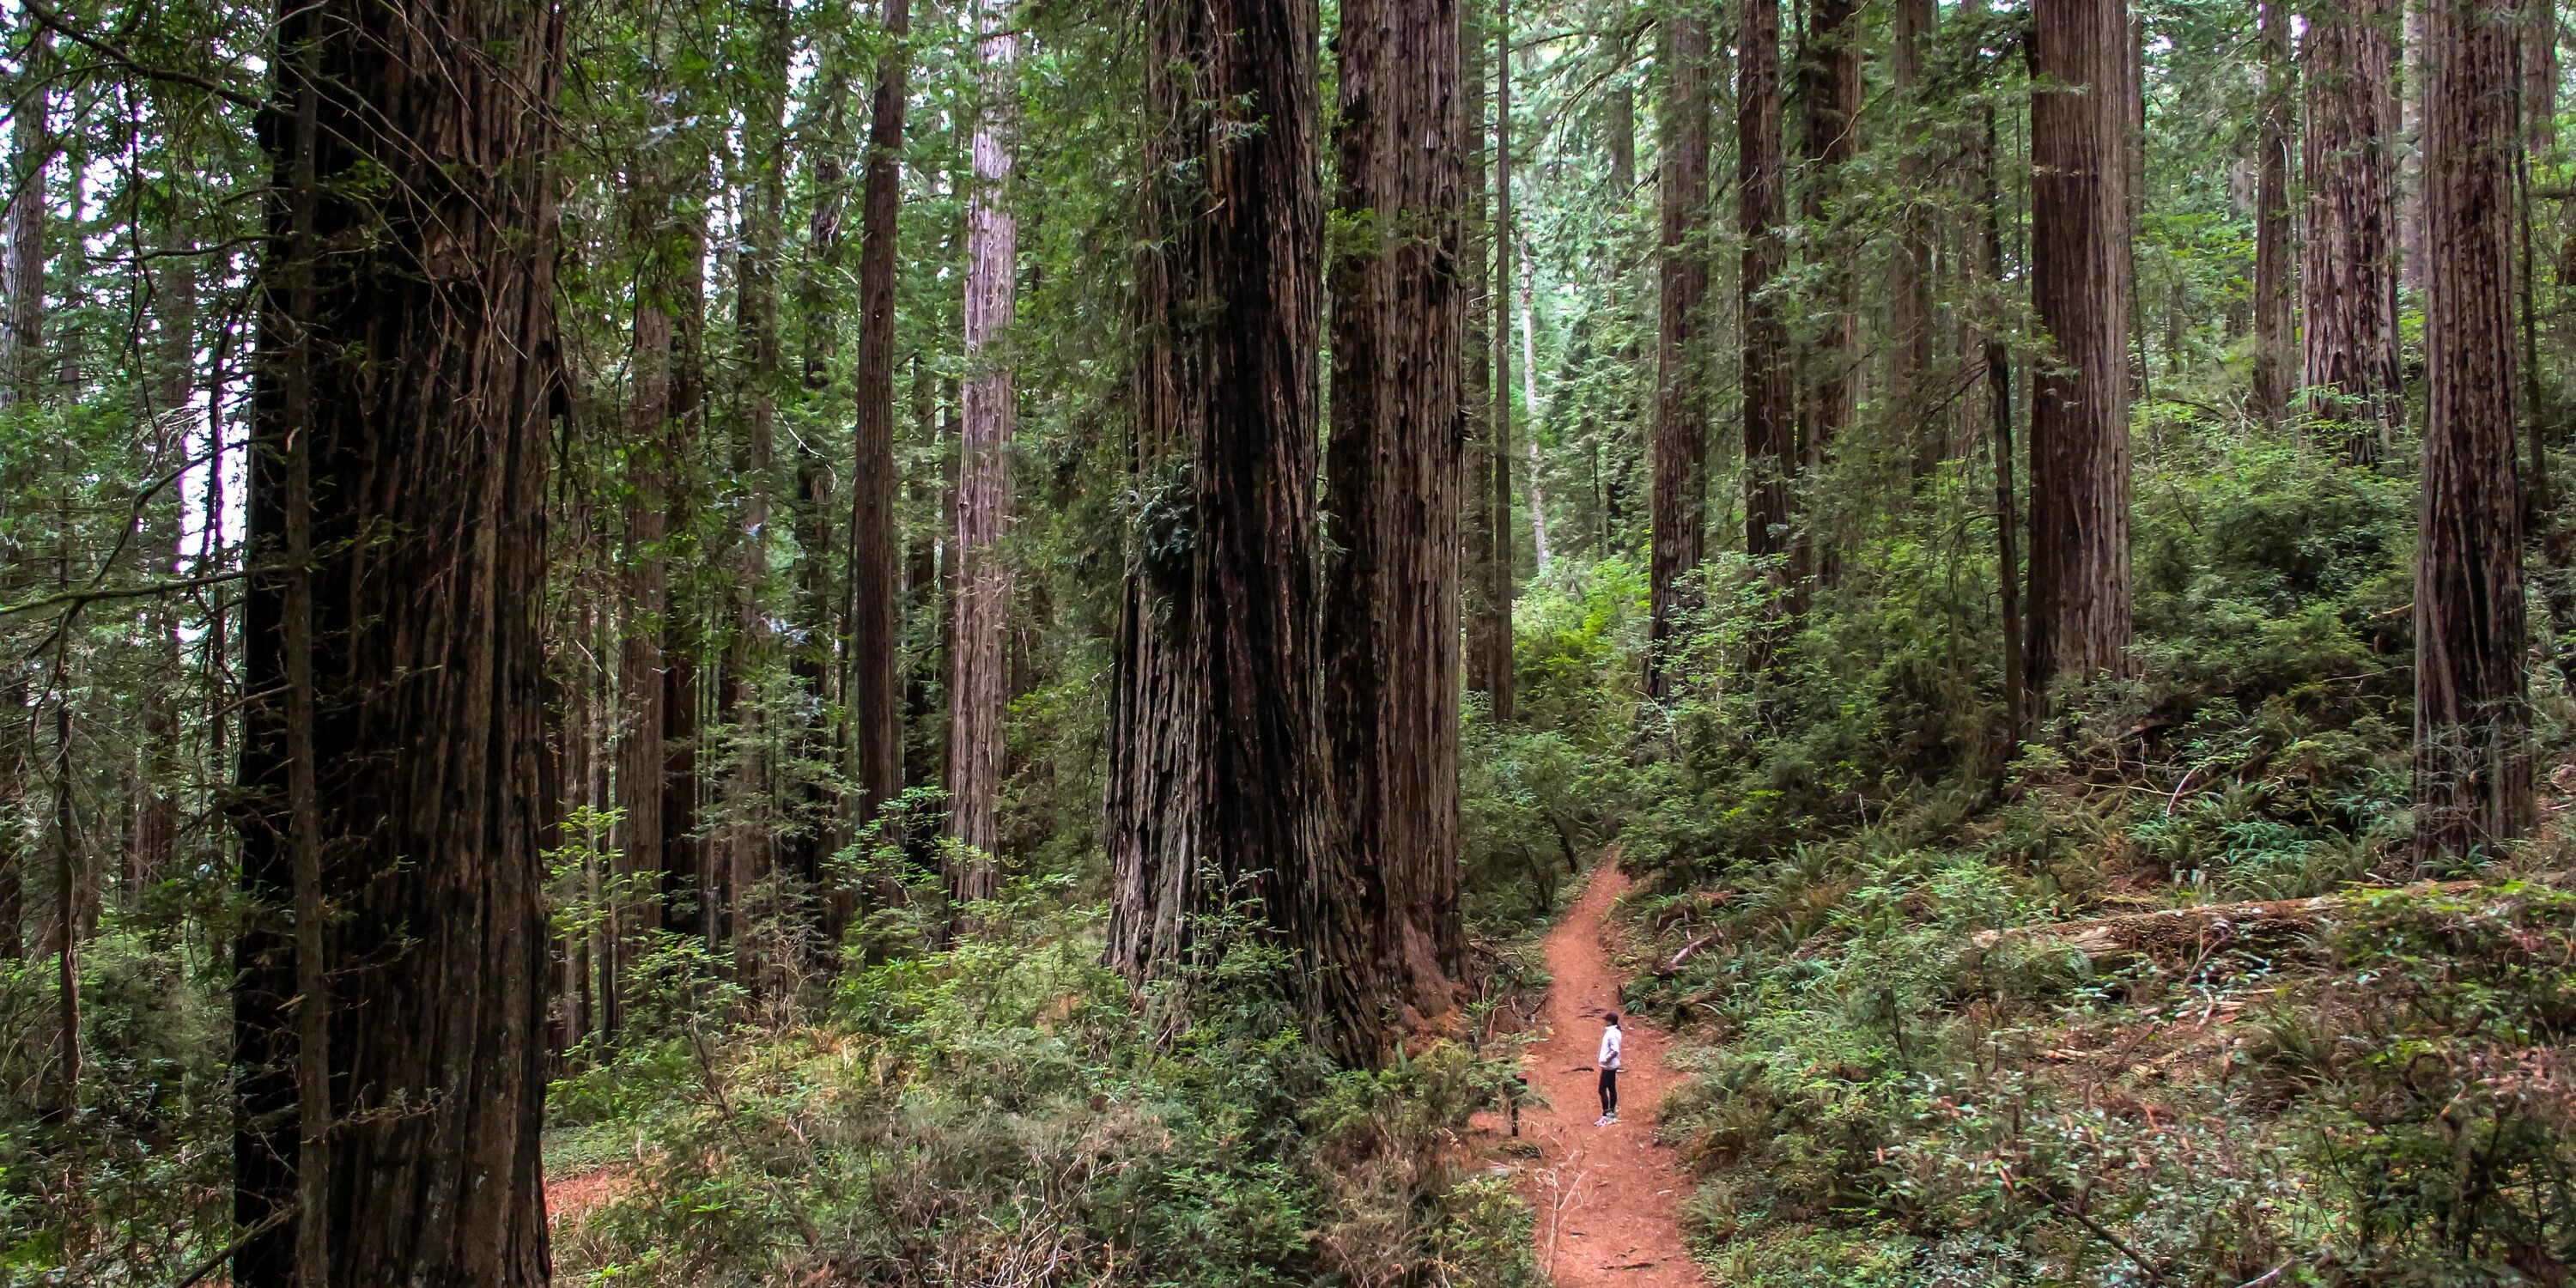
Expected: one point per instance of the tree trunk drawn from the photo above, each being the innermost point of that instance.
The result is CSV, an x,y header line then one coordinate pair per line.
x,y
2540,75
1829,93
423,350
2079,452
2473,774
1619,111
1681,357
876,623
1770,382
1217,787
1530,405
1390,603
1996,357
2346,284
1910,269
811,830
979,697
1488,623
32,147
2276,356
1501,669
2410,172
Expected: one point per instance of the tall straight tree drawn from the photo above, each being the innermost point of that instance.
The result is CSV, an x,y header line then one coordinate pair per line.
x,y
2276,354
390,753
1391,600
1762,206
979,694
2347,277
876,631
1680,445
1829,95
1499,668
1910,269
1488,624
2079,451
2473,775
1217,782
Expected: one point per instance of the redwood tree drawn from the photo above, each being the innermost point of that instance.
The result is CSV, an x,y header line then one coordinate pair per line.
x,y
2079,450
1680,444
1501,681
2473,775
1770,383
978,697
402,393
1217,787
2276,354
876,632
1391,637
1829,97
2347,277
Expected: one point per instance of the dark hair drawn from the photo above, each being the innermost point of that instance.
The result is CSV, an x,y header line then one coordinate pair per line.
x,y
1613,1019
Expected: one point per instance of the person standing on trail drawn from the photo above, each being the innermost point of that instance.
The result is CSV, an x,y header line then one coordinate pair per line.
x,y
1609,1062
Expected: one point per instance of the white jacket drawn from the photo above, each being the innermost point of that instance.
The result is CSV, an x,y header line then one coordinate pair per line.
x,y
1610,1047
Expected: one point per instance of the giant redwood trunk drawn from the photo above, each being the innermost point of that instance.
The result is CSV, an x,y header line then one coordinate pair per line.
x,y
1910,318
2276,353
1217,786
978,697
420,354
1391,634
2347,277
2473,779
2079,449
1681,358
876,631
1770,382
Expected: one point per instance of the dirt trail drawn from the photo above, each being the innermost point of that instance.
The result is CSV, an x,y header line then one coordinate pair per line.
x,y
1606,1196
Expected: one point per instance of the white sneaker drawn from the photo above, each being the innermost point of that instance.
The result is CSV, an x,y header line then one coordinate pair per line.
x,y
1610,1121
1602,1121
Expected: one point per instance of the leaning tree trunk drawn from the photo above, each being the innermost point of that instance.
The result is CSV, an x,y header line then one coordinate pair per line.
x,y
2079,450
2473,775
2276,354
411,372
1681,358
1762,206
1217,787
1390,603
876,627
2347,280
978,696
1829,93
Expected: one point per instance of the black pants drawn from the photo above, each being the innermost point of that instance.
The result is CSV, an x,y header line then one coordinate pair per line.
x,y
1609,1092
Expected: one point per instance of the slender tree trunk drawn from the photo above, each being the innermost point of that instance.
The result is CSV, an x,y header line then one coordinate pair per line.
x,y
422,351
1501,669
156,830
1217,775
1997,360
2079,453
1681,357
1391,631
2410,173
2346,286
1829,92
645,604
1910,269
22,281
1619,119
2473,773
1769,379
979,696
1488,622
2276,355
1530,405
684,867
876,623
2539,75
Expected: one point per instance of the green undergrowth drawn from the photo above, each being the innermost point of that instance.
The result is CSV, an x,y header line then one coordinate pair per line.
x,y
1937,1026
1003,1110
